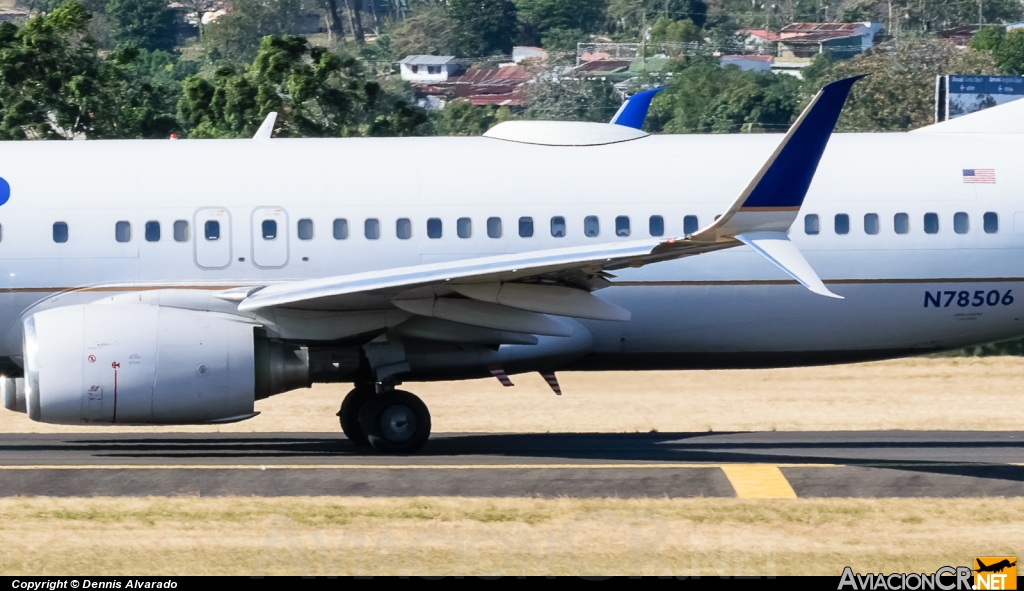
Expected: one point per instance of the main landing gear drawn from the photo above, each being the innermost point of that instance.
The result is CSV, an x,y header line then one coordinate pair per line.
x,y
392,421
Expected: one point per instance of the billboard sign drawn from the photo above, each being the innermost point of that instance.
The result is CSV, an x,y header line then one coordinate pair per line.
x,y
957,95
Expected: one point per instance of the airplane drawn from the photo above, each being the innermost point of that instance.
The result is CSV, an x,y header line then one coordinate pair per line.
x,y
994,568
178,282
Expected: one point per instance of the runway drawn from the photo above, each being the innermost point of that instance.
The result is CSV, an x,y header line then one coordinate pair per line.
x,y
747,465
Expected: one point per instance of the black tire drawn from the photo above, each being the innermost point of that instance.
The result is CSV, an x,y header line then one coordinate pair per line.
x,y
349,413
396,423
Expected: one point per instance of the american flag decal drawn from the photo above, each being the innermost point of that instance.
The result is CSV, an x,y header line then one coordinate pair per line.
x,y
980,176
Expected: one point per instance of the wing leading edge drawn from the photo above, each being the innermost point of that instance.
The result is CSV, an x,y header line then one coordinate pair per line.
x,y
759,218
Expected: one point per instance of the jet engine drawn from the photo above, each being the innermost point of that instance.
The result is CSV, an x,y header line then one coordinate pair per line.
x,y
140,364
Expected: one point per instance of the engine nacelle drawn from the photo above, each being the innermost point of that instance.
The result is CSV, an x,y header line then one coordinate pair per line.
x,y
139,364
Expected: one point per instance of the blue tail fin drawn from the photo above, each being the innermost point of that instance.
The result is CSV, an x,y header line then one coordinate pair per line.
x,y
633,112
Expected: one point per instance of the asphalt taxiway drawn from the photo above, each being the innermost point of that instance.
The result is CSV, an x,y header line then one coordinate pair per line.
x,y
751,465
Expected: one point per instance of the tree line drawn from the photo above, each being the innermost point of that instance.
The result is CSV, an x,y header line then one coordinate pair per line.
x,y
56,83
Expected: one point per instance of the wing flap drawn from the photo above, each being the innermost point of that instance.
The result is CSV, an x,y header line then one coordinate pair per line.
x,y
545,299
486,315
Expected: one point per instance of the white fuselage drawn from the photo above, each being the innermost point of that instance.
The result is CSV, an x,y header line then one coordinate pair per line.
x,y
726,308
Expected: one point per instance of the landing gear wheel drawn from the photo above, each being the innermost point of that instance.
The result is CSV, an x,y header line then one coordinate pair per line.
x,y
349,413
395,422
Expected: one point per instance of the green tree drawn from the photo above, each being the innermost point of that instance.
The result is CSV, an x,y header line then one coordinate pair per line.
x,y
988,38
706,98
238,34
482,27
139,96
563,39
147,24
627,16
898,93
429,32
683,31
316,94
49,76
1009,55
571,99
461,117
544,15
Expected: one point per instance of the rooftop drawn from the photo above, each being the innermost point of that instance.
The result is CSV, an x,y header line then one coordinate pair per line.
x,y
427,60
814,27
768,58
818,37
761,34
501,75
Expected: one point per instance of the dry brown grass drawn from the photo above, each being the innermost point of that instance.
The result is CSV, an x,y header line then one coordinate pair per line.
x,y
920,393
445,536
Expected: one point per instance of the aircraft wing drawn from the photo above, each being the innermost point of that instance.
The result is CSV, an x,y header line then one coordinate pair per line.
x,y
515,292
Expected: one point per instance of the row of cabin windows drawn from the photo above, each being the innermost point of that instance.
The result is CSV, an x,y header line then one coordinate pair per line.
x,y
123,231
901,223
403,228
494,227
591,227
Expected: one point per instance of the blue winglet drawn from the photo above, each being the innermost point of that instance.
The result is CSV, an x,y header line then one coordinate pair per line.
x,y
633,112
784,183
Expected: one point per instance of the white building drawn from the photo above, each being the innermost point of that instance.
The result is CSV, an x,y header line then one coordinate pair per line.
x,y
428,69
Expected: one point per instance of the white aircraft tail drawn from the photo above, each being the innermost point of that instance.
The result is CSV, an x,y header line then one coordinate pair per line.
x,y
1004,118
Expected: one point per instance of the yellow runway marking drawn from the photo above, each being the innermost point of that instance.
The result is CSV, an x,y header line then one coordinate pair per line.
x,y
758,481
393,466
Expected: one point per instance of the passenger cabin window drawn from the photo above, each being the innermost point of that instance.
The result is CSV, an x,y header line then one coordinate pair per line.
x,y
931,223
494,227
181,233
152,231
961,223
60,232
690,224
403,228
305,229
372,229
340,229
558,226
622,226
591,226
871,223
123,231
434,228
269,229
842,223
811,224
656,225
526,227
464,227
212,230
901,223
991,222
